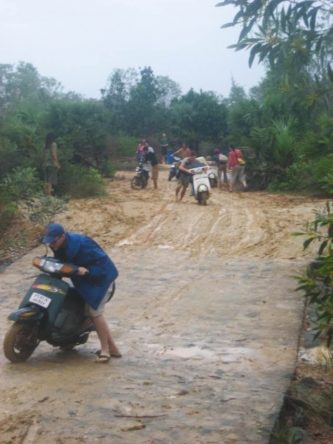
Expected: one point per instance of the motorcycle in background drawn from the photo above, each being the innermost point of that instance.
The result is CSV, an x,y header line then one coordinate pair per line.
x,y
140,180
50,311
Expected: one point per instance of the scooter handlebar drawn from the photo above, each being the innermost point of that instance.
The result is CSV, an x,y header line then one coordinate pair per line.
x,y
54,266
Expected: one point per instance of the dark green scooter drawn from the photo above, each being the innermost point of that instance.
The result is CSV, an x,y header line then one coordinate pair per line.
x,y
51,311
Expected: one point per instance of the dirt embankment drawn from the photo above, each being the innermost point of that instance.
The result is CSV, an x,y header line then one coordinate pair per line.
x,y
205,314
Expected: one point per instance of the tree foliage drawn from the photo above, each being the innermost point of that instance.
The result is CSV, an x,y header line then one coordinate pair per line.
x,y
277,30
199,116
317,282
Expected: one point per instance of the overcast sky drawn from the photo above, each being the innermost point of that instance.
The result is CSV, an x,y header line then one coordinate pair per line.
x,y
80,42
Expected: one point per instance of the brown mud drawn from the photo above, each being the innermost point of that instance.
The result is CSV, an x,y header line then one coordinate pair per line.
x,y
205,315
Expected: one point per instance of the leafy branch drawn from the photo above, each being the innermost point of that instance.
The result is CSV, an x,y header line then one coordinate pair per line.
x,y
317,282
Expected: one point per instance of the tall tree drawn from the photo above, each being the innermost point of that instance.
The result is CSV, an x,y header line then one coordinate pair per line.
x,y
199,117
116,96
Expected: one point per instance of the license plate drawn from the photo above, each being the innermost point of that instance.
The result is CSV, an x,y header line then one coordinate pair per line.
x,y
40,299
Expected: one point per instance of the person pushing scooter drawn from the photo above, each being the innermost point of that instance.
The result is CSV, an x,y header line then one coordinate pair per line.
x,y
96,272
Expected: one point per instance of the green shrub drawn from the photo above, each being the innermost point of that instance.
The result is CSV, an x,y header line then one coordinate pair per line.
x,y
7,213
21,183
317,282
79,181
297,177
323,176
108,168
122,146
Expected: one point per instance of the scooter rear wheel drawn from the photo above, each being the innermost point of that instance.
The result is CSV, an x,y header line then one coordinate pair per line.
x,y
20,342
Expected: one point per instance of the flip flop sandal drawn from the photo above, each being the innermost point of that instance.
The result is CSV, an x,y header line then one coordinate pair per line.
x,y
113,355
102,359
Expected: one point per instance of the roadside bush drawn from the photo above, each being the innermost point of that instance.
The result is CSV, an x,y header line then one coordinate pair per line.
x,y
108,169
122,146
323,173
7,213
317,282
297,177
21,183
79,181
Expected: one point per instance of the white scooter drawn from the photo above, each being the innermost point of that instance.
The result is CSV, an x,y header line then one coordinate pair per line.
x,y
201,185
212,175
173,172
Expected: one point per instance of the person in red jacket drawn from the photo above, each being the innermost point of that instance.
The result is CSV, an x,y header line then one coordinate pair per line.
x,y
236,165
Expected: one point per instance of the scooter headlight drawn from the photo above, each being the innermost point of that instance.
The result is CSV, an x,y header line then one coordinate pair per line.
x,y
211,176
202,188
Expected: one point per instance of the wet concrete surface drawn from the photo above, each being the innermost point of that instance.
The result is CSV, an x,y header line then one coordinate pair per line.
x,y
207,358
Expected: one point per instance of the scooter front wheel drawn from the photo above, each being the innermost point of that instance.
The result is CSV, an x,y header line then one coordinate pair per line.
x,y
20,342
137,183
202,198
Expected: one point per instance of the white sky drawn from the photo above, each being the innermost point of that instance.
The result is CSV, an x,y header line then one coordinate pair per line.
x,y
80,42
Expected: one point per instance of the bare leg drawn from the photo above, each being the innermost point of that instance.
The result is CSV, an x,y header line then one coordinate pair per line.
x,y
177,191
182,193
104,334
154,175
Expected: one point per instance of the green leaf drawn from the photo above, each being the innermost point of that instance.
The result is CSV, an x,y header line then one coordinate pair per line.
x,y
322,247
330,72
227,25
307,242
313,18
254,51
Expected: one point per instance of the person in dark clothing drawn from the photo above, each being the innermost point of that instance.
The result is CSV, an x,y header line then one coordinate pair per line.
x,y
150,157
96,272
50,163
185,174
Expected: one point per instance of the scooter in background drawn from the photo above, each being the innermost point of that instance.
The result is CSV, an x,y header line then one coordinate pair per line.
x,y
201,184
173,172
213,175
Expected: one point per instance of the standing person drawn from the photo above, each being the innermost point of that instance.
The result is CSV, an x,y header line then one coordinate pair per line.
x,y
50,163
236,164
164,148
150,156
183,151
96,272
185,174
139,150
221,163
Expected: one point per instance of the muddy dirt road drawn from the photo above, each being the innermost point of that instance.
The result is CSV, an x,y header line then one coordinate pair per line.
x,y
205,315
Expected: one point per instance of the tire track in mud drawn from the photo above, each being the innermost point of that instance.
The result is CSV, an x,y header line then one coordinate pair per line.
x,y
229,225
254,224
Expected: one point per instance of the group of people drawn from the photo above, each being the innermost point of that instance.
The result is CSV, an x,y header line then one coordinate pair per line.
x,y
96,271
234,164
231,167
145,153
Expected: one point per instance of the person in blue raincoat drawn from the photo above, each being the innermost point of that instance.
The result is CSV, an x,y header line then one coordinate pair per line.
x,y
96,272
